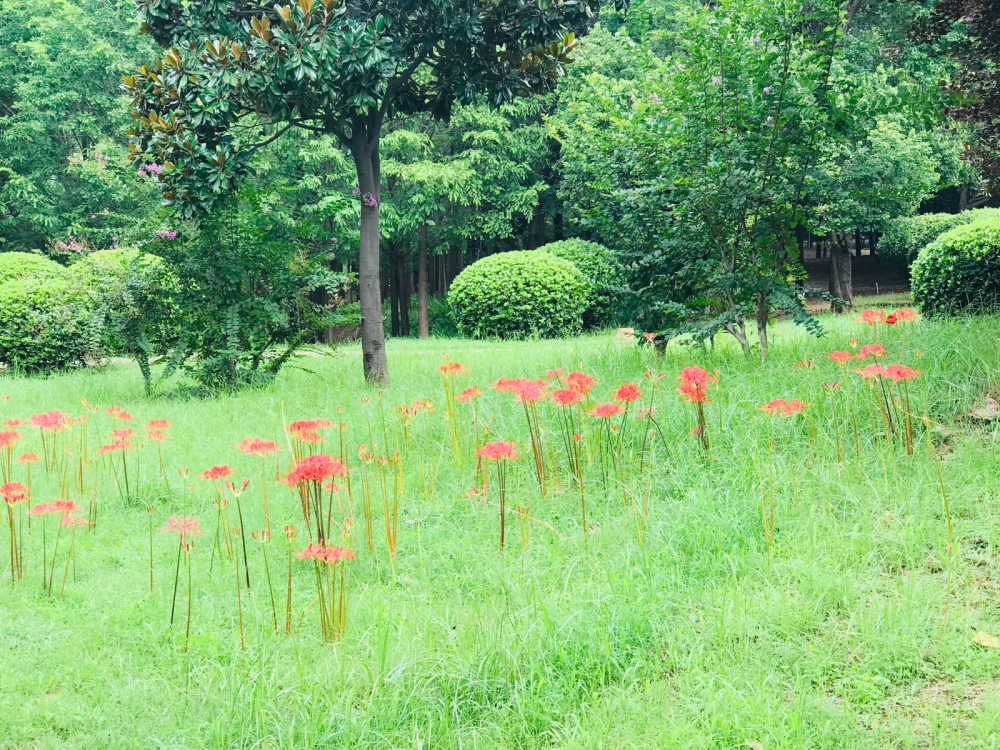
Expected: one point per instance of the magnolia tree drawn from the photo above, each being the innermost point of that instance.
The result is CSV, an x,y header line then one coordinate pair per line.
x,y
235,76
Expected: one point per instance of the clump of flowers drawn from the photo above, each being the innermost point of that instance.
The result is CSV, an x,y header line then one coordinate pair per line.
x,y
694,385
501,452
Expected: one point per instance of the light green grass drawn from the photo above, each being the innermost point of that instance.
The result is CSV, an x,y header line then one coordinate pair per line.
x,y
703,639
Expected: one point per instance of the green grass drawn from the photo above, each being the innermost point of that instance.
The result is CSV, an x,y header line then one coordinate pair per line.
x,y
703,638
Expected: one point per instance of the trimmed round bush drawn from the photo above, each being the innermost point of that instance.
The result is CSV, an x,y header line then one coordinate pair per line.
x,y
43,324
905,237
603,271
519,295
15,266
960,271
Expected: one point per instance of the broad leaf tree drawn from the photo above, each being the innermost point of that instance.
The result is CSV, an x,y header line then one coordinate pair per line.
x,y
236,75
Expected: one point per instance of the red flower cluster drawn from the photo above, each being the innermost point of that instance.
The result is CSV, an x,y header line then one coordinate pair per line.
x,y
331,555
900,372
256,445
694,384
8,438
605,411
28,458
13,492
451,368
627,393
499,449
470,393
315,468
119,413
216,472
12,422
567,397
784,408
50,420
183,527
305,429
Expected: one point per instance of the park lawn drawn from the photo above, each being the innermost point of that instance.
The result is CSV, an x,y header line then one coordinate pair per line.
x,y
855,631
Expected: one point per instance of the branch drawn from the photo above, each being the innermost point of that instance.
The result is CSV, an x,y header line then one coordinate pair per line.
x,y
402,79
257,146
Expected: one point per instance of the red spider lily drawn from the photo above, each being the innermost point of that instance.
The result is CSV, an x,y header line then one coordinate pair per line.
x,y
567,397
8,438
831,386
896,373
307,425
627,393
471,393
499,449
476,492
28,458
451,368
316,468
158,424
650,337
651,374
840,357
333,603
255,445
40,509
291,532
876,350
872,317
216,472
891,319
871,371
774,406
556,373
124,432
606,411
905,314
580,382
13,493
182,526
119,413
694,384
65,506
73,521
50,420
805,364
157,436
261,535
117,445
530,392
12,422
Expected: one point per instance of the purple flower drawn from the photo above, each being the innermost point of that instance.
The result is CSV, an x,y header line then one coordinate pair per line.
x,y
655,98
767,89
356,191
715,79
757,38
369,200
114,239
769,118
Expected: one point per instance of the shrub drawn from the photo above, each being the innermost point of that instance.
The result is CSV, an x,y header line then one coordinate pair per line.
x,y
905,237
15,266
43,324
960,270
519,294
129,294
603,271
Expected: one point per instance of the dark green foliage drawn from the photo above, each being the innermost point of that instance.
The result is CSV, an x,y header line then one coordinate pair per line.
x,y
960,271
519,295
243,289
905,237
15,266
604,273
129,294
43,324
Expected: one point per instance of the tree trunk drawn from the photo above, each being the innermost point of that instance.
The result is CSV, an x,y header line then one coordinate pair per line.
x,y
456,262
443,271
394,275
763,312
841,285
364,150
536,228
406,296
423,318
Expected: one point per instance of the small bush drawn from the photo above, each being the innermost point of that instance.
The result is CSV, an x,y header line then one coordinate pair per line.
x,y
14,266
960,271
905,237
43,324
519,295
603,271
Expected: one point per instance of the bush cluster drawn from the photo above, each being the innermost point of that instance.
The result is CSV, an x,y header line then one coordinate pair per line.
x,y
54,316
960,270
604,274
519,295
905,237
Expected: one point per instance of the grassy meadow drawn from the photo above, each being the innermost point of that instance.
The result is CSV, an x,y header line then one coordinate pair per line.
x,y
855,629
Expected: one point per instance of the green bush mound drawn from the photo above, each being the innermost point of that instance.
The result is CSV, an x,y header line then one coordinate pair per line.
x,y
905,237
519,295
960,271
603,271
15,266
43,324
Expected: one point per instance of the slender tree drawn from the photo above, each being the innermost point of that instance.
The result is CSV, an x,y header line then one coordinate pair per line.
x,y
236,75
